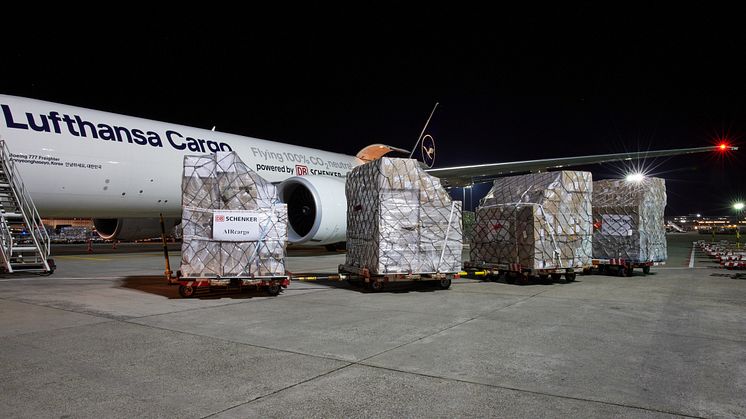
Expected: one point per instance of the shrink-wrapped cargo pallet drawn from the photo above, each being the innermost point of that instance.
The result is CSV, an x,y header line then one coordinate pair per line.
x,y
401,220
540,221
218,189
628,220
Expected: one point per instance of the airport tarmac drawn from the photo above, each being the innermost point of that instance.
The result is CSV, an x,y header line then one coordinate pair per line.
x,y
105,337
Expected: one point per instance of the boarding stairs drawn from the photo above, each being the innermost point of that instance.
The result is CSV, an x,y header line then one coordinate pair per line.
x,y
24,242
676,227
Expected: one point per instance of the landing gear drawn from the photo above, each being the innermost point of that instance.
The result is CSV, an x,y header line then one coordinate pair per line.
x,y
336,247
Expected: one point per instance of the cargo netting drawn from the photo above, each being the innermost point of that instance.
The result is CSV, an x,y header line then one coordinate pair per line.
x,y
401,220
628,219
222,182
540,221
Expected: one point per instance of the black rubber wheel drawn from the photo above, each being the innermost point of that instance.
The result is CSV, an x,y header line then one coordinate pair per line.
x,y
646,270
186,291
570,276
376,286
274,289
510,277
630,271
556,277
524,278
444,284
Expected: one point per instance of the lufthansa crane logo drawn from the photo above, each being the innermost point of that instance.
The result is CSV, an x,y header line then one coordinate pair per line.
x,y
428,150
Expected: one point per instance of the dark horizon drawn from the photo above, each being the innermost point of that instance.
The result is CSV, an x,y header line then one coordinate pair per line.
x,y
519,89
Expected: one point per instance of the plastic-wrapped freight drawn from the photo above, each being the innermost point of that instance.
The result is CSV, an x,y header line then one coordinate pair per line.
x,y
401,220
540,221
223,183
628,220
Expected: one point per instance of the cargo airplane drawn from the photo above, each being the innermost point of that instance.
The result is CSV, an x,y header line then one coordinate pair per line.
x,y
123,171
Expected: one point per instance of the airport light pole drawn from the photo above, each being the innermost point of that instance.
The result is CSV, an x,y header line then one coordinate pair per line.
x,y
738,206
469,188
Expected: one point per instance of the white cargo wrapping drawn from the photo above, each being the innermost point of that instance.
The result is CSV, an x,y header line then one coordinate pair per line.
x,y
540,221
223,198
628,220
401,220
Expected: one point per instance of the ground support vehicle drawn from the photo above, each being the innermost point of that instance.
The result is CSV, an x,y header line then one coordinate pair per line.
x,y
620,267
376,282
191,287
515,272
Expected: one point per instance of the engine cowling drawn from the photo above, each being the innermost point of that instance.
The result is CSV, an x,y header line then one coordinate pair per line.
x,y
317,209
132,228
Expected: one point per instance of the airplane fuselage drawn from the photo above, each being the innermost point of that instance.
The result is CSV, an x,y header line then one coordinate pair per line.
x,y
86,163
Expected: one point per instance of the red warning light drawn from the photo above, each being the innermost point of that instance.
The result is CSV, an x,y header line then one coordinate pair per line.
x,y
723,146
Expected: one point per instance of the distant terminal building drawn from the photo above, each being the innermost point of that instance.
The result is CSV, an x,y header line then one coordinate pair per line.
x,y
705,224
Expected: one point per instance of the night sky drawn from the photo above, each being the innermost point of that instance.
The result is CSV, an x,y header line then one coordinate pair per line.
x,y
512,84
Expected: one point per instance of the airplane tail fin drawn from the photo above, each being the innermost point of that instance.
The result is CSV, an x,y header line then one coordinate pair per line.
x,y
426,143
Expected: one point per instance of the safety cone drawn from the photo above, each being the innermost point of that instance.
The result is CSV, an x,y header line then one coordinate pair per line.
x,y
90,246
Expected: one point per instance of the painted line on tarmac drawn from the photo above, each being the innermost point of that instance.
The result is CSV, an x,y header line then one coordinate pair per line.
x,y
691,257
56,278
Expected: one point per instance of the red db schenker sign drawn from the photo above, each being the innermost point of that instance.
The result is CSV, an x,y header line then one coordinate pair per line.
x,y
301,170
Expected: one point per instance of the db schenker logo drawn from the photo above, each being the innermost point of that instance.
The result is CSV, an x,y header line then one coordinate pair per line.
x,y
219,218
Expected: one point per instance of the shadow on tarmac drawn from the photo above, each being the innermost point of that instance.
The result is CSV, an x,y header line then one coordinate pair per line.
x,y
157,285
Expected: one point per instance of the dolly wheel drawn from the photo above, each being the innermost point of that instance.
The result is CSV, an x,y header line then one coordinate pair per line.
x,y
510,277
376,285
556,277
186,291
444,284
570,276
274,288
646,270
630,271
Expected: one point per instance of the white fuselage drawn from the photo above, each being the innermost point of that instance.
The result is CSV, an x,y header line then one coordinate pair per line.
x,y
86,163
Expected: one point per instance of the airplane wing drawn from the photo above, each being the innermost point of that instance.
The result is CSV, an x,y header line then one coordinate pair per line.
x,y
466,175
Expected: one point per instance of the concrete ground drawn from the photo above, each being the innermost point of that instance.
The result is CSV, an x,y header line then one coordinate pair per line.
x,y
104,337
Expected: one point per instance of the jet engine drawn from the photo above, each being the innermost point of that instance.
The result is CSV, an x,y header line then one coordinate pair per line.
x,y
132,228
317,209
